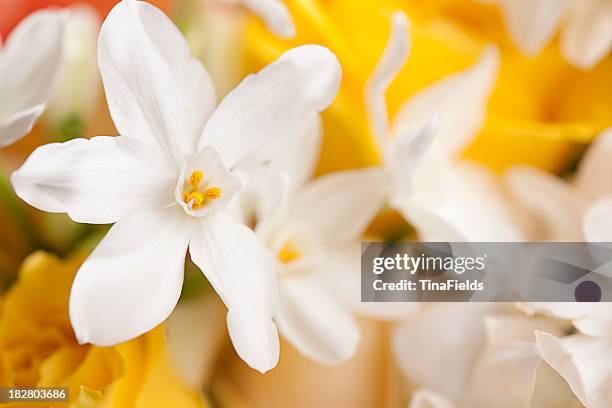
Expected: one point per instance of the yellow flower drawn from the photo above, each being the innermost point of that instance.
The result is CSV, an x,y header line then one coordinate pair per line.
x,y
38,348
541,110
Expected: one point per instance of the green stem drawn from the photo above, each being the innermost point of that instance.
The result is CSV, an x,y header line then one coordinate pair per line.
x,y
15,209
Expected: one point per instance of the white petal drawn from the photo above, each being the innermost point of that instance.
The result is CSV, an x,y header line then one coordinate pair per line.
x,y
592,319
388,66
315,323
584,362
298,156
96,181
587,35
17,125
275,14
281,100
264,192
597,222
342,277
594,176
78,84
132,280
341,205
29,63
466,199
424,398
156,91
508,370
460,100
532,23
442,339
554,206
242,271
405,153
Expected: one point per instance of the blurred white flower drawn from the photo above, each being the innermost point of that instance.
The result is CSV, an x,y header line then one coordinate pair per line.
x,y
312,229
479,355
568,211
166,180
29,63
444,197
75,96
586,35
582,358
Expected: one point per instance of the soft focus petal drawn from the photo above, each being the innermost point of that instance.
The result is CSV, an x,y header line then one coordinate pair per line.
x,y
76,93
469,200
281,100
98,180
156,91
14,126
587,35
424,398
592,319
241,270
460,100
405,153
442,339
594,176
554,207
341,205
597,222
315,323
390,63
29,62
132,280
342,277
532,23
584,362
275,14
508,370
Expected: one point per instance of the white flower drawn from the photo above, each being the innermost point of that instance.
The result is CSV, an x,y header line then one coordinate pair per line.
x,y
478,355
586,36
582,358
444,197
78,84
166,180
568,211
29,62
312,229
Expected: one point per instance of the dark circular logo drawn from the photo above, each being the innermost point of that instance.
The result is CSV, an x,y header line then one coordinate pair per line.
x,y
587,291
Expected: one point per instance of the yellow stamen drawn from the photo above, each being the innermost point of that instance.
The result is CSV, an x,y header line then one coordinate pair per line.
x,y
192,194
195,179
196,197
288,253
212,193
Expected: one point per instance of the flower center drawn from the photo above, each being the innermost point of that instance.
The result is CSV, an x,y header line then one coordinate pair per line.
x,y
288,253
194,195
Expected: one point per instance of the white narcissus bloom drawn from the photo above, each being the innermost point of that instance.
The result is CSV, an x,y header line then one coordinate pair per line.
x,y
586,34
444,197
166,180
578,210
313,230
479,355
29,62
